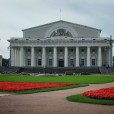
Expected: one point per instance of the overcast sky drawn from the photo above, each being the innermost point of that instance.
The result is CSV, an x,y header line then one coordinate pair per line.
x,y
16,15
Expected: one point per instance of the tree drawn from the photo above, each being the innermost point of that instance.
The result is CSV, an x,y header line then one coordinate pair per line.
x,y
5,62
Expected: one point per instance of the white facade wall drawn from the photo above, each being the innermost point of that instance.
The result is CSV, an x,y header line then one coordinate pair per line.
x,y
35,32
85,32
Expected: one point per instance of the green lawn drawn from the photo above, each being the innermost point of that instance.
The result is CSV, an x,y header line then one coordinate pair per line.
x,y
58,79
82,99
81,80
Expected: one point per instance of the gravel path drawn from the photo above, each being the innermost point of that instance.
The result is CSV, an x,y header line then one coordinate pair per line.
x,y
53,102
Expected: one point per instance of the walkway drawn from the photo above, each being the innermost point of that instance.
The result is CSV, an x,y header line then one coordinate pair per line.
x,y
53,102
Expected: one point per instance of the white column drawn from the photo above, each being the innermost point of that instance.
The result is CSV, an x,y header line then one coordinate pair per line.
x,y
18,56
55,57
12,56
32,57
77,56
43,57
21,56
15,63
88,56
99,57
66,57
17,53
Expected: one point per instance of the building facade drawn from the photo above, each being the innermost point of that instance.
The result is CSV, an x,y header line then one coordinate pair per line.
x,y
61,44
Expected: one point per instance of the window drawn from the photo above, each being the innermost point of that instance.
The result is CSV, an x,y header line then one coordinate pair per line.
x,y
71,50
93,50
39,50
50,62
53,34
68,34
50,50
93,62
82,50
29,50
72,62
82,62
39,62
29,62
61,50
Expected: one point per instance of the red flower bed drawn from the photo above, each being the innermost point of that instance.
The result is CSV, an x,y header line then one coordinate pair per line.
x,y
106,93
16,86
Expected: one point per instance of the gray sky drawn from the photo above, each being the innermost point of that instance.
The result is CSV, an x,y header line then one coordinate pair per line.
x,y
16,15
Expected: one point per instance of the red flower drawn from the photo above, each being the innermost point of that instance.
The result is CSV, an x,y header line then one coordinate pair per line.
x,y
16,86
106,93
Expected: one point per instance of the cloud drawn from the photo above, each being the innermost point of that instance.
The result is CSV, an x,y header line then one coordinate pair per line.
x,y
16,15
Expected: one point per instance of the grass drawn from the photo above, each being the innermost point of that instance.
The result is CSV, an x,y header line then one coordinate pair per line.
x,y
81,80
82,99
28,78
58,79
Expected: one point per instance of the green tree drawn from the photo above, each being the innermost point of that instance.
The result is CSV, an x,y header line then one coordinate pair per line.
x,y
5,62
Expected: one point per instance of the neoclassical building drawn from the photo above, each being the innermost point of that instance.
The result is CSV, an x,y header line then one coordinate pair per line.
x,y
61,44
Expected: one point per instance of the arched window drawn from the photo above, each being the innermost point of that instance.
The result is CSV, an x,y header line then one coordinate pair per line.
x,y
61,32
53,34
68,34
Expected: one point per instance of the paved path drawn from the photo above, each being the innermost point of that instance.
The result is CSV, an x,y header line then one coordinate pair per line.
x,y
3,94
53,102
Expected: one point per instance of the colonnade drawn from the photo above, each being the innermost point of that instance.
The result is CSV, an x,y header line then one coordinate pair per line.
x,y
21,57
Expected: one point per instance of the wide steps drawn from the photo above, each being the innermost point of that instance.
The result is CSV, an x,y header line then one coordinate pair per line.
x,y
59,69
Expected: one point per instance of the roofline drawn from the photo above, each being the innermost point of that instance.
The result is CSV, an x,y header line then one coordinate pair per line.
x,y
40,25
62,21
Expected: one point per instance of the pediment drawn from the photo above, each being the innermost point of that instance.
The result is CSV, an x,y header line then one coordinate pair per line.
x,y
61,28
60,22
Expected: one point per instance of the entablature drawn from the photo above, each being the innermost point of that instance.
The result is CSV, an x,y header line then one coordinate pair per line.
x,y
60,44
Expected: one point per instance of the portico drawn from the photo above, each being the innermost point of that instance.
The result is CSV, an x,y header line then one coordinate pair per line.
x,y
57,56
61,44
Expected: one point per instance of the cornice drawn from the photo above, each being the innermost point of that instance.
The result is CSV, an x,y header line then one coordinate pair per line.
x,y
60,44
60,40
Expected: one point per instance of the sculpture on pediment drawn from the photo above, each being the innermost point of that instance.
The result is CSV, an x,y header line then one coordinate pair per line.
x,y
61,32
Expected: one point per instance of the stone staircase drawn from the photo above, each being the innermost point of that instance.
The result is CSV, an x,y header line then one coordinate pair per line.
x,y
105,70
6,69
59,69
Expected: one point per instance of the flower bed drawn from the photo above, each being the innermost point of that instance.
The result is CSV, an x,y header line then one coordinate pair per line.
x,y
106,93
17,86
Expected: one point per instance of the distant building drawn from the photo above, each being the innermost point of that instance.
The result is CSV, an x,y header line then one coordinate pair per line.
x,y
61,44
0,60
